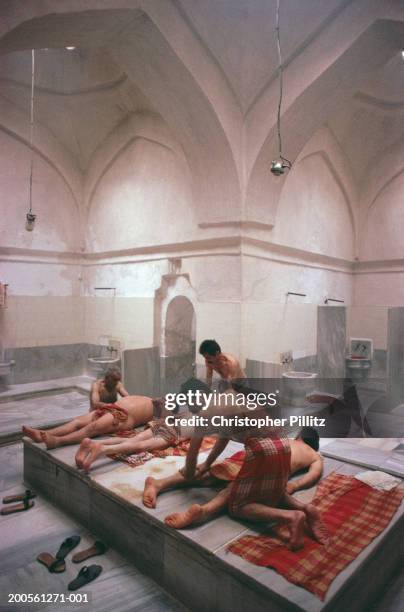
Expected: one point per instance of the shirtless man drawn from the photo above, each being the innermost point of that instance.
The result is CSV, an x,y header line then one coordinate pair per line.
x,y
106,390
126,413
157,436
226,365
259,491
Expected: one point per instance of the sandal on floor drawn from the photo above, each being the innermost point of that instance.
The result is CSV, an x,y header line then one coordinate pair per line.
x,y
67,546
98,548
55,566
26,504
85,575
11,499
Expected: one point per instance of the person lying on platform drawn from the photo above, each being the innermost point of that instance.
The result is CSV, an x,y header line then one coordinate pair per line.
x,y
260,490
226,365
106,389
158,435
127,413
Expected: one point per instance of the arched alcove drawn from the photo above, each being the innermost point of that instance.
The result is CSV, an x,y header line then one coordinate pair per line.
x,y
175,329
179,335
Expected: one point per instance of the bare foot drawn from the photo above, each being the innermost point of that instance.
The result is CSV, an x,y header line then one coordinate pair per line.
x,y
179,520
316,525
296,527
94,450
34,434
49,440
83,451
151,490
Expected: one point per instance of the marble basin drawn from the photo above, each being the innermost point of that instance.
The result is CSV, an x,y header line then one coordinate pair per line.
x,y
103,361
295,387
99,365
299,375
5,367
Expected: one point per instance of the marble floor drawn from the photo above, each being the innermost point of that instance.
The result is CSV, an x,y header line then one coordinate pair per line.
x,y
41,410
121,587
42,403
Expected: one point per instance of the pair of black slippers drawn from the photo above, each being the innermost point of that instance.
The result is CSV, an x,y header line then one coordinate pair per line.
x,y
25,500
56,564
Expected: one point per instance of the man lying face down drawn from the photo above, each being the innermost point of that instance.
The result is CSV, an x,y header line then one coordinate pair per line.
x,y
260,491
126,413
157,436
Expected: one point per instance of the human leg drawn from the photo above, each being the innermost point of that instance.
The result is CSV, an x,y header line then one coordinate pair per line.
x,y
197,513
293,519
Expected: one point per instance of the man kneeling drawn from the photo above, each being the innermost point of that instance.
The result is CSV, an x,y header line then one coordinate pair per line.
x,y
260,490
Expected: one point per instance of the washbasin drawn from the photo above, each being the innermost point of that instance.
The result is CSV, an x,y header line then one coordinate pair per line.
x,y
104,360
299,375
5,367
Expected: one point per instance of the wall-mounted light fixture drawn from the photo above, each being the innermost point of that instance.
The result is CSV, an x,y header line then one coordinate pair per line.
x,y
280,164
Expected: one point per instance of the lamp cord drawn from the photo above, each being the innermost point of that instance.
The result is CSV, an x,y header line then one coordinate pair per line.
x,y
31,135
280,72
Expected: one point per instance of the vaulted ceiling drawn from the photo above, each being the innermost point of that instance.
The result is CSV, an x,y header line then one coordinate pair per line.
x,y
208,68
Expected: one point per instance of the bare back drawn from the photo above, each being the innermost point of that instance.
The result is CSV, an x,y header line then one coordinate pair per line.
x,y
228,367
139,409
302,456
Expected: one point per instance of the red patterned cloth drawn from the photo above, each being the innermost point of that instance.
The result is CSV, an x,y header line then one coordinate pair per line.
x,y
264,473
119,414
354,513
229,468
180,450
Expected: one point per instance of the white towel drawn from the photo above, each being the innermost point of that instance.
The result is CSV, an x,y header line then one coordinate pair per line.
x,y
378,480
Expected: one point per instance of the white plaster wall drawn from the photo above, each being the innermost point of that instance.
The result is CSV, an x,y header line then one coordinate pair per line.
x,y
368,322
384,289
41,321
313,213
383,233
58,226
215,282
143,198
272,322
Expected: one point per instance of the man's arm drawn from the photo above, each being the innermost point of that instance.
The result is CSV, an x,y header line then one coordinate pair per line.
x,y
188,471
209,375
307,480
94,396
121,390
218,448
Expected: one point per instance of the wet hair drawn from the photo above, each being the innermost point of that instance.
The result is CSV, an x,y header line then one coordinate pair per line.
x,y
209,347
113,373
310,436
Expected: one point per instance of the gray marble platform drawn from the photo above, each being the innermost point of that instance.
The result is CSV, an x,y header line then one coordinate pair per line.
x,y
366,453
42,404
194,564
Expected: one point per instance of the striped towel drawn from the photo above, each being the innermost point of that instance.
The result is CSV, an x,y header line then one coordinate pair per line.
x,y
354,513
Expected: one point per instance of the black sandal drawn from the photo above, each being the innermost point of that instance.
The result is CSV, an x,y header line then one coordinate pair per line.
x,y
26,504
85,575
11,499
67,546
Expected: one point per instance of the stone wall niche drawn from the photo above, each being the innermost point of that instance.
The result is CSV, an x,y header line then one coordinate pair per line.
x,y
175,330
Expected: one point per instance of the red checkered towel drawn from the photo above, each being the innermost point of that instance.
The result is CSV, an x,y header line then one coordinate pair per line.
x,y
264,473
354,513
